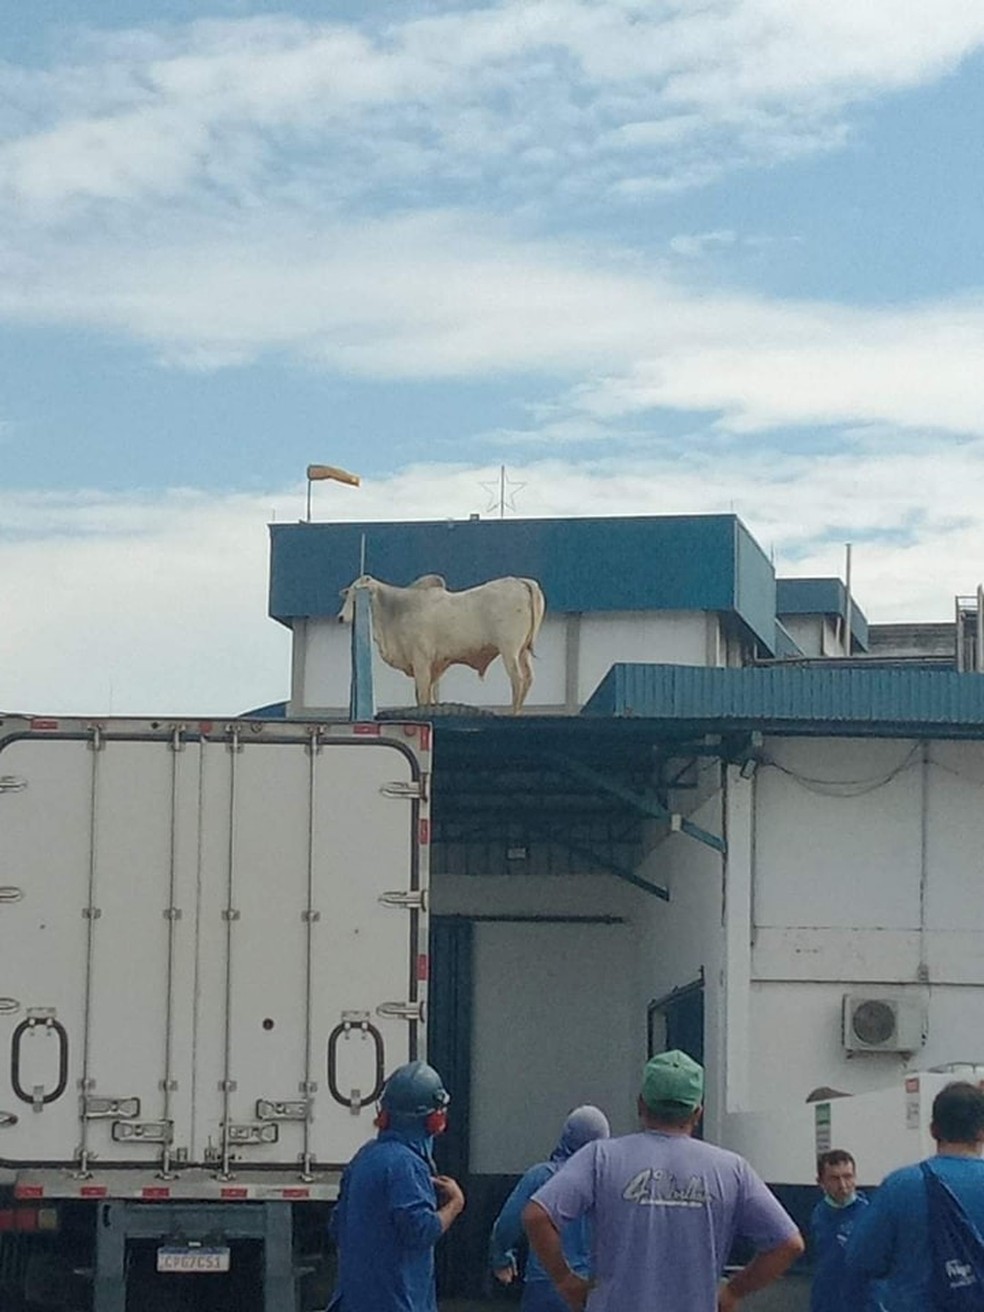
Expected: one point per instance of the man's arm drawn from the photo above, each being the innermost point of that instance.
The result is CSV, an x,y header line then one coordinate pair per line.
x,y
454,1200
545,1241
418,1221
760,1271
508,1228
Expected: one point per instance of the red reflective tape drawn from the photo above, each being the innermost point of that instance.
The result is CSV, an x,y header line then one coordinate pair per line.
x,y
423,966
367,730
155,1191
425,737
425,832
296,1193
28,1191
93,1191
410,731
26,1219
234,1193
44,724
206,726
912,1084
6,1218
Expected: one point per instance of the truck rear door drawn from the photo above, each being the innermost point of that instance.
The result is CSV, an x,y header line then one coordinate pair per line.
x,y
209,940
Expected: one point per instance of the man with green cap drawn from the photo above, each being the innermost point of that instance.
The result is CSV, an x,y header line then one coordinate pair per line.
x,y
666,1208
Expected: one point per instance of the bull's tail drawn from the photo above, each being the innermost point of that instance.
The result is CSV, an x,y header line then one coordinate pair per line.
x,y
538,607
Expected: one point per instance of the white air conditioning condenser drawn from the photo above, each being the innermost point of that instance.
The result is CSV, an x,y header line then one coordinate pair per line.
x,y
892,1024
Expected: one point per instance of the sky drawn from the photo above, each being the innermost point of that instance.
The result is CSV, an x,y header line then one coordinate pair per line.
x,y
680,256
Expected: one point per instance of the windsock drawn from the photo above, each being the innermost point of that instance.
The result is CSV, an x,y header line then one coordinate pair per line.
x,y
317,472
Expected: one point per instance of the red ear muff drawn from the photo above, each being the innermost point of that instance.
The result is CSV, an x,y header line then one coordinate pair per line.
x,y
382,1119
436,1122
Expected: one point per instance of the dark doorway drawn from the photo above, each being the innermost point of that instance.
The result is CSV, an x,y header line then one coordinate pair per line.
x,y
676,1020
449,1034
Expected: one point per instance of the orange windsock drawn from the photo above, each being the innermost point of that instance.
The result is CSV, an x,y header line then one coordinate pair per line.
x,y
317,472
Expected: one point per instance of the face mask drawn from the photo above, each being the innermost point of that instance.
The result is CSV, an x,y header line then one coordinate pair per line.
x,y
834,1202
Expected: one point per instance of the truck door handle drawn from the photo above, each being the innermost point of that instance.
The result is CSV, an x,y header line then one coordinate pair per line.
x,y
37,1097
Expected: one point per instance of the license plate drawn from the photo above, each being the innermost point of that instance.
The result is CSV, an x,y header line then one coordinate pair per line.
x,y
192,1261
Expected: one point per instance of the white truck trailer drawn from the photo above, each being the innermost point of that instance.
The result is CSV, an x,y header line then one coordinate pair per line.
x,y
213,948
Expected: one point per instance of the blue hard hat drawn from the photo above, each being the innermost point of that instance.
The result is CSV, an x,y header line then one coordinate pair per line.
x,y
413,1090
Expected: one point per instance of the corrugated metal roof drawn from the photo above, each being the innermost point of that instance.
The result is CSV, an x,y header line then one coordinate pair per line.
x,y
880,698
633,563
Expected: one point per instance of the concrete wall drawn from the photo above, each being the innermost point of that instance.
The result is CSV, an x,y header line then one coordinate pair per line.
x,y
866,880
815,635
573,654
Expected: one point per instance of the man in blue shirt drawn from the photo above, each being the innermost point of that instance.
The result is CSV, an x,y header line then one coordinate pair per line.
x,y
388,1218
834,1288
582,1126
892,1238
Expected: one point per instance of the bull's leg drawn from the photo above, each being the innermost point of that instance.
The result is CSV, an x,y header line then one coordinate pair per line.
x,y
526,670
515,681
423,682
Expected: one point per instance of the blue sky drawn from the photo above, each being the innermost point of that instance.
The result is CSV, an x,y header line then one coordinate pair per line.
x,y
680,256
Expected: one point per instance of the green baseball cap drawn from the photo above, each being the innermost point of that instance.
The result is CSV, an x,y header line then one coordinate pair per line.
x,y
672,1081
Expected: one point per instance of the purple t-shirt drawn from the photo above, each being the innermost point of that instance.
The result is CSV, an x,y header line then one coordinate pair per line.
x,y
665,1209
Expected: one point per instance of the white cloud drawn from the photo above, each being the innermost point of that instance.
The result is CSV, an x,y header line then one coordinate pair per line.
x,y
618,91
449,296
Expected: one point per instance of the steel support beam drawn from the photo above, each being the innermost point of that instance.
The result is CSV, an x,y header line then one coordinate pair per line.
x,y
613,867
647,806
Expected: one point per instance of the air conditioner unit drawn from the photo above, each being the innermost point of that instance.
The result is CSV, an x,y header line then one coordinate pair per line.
x,y
883,1024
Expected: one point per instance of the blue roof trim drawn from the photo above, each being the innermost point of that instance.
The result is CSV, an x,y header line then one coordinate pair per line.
x,y
644,563
814,699
821,597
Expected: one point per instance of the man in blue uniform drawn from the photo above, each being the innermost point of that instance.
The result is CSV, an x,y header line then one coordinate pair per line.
x,y
392,1207
834,1288
539,1295
894,1237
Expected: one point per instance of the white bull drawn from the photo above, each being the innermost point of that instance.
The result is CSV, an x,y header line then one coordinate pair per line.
x,y
424,629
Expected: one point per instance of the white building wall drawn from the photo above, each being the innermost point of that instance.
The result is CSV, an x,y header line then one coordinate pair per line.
x,y
867,876
572,652
664,637
815,635
680,938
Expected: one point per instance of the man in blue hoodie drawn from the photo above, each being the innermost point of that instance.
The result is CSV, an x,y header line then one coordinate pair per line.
x,y
539,1295
894,1237
835,1289
392,1208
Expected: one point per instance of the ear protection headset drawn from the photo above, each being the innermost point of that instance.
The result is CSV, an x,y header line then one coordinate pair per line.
x,y
434,1122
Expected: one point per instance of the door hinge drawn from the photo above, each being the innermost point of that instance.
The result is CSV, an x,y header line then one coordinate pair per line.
x,y
98,1108
144,1131
12,783
9,893
410,1011
245,1135
413,899
412,789
268,1110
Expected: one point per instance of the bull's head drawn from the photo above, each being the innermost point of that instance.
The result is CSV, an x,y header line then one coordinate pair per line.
x,y
347,614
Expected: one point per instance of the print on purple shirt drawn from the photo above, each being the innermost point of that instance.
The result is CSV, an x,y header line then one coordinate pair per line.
x,y
666,1209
